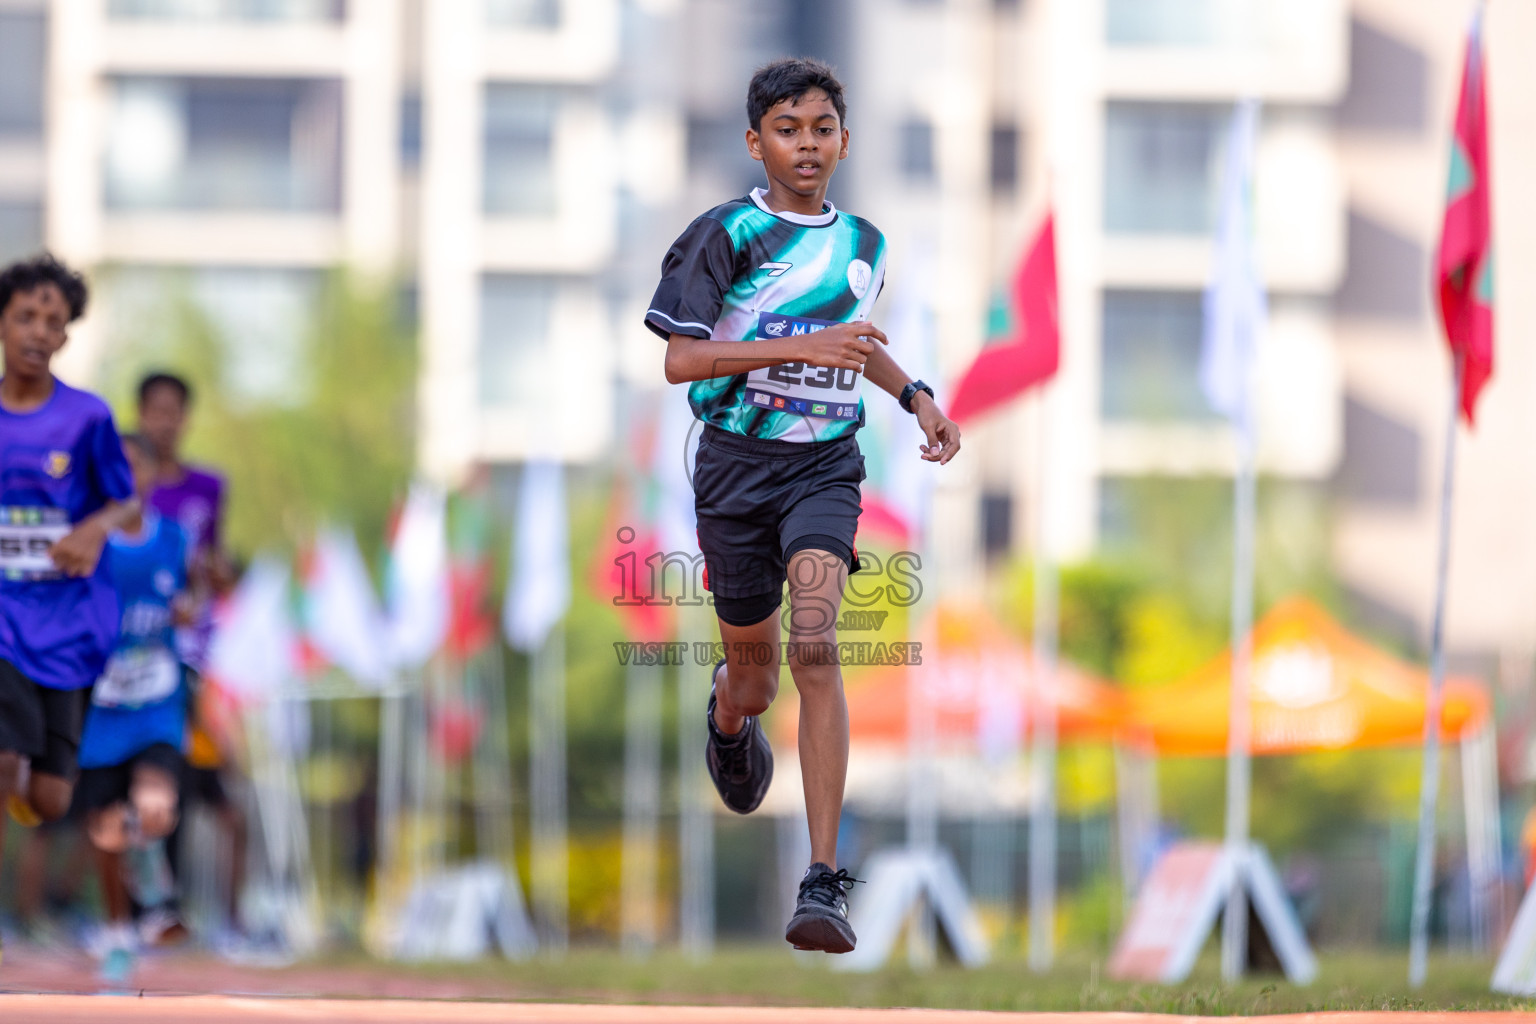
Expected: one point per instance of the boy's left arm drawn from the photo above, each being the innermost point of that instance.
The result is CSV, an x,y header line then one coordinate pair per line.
x,y
943,435
77,552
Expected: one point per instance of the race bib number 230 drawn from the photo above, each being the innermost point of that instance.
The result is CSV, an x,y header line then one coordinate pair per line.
x,y
827,392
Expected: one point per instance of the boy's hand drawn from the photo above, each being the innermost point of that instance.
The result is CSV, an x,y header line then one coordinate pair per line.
x,y
846,346
943,434
77,552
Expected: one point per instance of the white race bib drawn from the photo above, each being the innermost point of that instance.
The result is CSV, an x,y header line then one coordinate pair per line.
x,y
137,676
26,534
822,391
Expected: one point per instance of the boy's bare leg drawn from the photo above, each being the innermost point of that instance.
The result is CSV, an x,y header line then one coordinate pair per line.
x,y
114,890
745,686
816,580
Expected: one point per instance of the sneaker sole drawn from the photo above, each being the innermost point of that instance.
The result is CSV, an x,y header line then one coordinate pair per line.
x,y
820,934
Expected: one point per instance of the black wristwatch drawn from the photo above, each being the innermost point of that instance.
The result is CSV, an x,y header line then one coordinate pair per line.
x,y
910,392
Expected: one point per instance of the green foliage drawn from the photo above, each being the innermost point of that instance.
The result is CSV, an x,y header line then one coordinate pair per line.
x,y
340,445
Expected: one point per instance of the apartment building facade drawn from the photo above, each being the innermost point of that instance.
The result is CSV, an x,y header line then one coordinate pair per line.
x,y
522,164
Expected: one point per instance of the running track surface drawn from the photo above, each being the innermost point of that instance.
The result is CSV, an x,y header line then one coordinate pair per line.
x,y
75,1009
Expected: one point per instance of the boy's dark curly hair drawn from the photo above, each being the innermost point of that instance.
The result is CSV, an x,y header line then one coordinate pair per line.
x,y
790,78
25,275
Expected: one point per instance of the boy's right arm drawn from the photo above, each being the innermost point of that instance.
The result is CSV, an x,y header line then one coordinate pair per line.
x,y
846,346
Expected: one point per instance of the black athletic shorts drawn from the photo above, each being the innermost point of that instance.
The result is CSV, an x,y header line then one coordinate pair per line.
x,y
40,722
760,501
103,787
203,786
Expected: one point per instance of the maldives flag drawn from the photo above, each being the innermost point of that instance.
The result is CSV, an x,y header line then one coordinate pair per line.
x,y
471,613
1464,261
621,576
1032,355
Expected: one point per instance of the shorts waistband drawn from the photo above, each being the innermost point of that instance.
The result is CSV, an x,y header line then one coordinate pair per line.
x,y
767,447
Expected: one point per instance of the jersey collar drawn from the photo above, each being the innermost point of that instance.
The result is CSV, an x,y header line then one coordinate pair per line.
x,y
819,220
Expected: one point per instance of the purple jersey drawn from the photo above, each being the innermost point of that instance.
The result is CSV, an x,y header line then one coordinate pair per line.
x,y
58,465
196,504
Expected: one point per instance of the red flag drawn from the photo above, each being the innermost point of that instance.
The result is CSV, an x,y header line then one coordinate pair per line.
x,y
880,519
620,573
1032,355
1464,261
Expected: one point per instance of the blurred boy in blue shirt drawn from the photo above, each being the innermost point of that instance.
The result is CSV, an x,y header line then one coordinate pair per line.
x,y
131,749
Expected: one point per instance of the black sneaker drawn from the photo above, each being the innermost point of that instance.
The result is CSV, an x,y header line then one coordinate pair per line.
x,y
741,765
821,913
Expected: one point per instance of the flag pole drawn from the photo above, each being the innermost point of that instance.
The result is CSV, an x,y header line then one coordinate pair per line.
x,y
1042,832
1234,932
1429,786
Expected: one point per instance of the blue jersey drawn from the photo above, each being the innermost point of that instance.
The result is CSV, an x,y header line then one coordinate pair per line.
x,y
58,465
141,697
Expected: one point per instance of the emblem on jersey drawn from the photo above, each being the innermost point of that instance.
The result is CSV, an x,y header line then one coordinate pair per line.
x,y
775,269
165,583
57,464
860,274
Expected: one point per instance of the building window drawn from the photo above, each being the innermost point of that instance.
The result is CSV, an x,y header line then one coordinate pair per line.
x,y
514,323
23,47
410,130
1183,22
1151,357
916,150
228,10
1005,158
996,524
520,150
21,229
224,144
523,13
1161,167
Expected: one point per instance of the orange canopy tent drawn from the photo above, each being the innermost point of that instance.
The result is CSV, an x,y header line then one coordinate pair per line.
x,y
1314,686
980,682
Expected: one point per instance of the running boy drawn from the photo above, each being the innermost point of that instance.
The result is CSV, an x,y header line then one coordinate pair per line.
x,y
64,488
130,753
765,304
193,497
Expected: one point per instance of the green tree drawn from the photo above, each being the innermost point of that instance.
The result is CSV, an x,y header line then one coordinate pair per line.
x,y
338,445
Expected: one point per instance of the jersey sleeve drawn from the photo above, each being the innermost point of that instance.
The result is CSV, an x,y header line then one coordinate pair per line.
x,y
695,275
109,464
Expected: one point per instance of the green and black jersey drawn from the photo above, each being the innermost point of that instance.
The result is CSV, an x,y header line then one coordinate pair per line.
x,y
742,272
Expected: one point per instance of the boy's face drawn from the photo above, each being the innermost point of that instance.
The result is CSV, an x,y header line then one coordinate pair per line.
x,y
33,327
144,469
800,143
162,417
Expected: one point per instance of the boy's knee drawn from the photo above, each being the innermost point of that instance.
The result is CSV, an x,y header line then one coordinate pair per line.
x,y
154,801
750,689
49,796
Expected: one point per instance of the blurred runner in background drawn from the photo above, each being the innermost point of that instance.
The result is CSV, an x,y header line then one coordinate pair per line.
x,y
194,498
131,748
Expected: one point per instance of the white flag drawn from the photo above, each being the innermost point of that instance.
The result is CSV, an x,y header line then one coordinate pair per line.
x,y
341,614
907,480
672,471
252,652
540,585
1234,301
418,579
